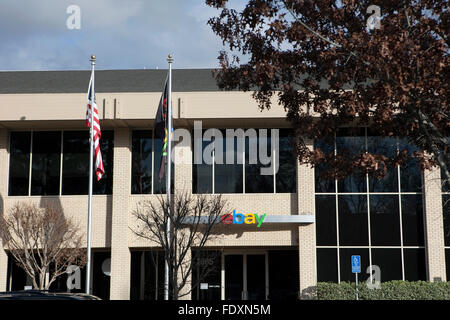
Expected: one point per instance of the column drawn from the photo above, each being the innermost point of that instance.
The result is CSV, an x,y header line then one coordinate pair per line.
x,y
306,232
434,225
120,253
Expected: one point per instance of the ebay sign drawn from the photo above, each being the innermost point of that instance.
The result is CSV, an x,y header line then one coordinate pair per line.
x,y
240,218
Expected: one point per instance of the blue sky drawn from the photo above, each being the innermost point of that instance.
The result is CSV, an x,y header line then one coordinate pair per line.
x,y
124,34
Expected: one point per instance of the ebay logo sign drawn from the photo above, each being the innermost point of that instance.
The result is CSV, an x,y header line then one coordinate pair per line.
x,y
240,218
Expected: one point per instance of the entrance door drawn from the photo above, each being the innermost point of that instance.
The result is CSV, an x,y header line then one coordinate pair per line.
x,y
246,277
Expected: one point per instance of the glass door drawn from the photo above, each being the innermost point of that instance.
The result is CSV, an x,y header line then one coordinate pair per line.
x,y
246,276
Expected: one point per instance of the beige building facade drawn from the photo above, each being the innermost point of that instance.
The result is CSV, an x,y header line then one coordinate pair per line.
x,y
307,224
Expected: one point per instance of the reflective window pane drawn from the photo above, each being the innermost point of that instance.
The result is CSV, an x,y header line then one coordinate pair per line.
x,y
327,270
326,220
412,220
447,263
75,162
255,182
351,142
414,264
390,263
283,274
410,172
19,163
323,183
160,184
384,220
141,179
386,146
345,256
446,214
228,178
202,172
46,162
353,228
286,176
105,185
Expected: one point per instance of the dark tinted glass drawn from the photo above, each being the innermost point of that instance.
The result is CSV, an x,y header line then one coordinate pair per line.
x,y
353,220
410,172
286,176
283,274
46,162
141,169
105,185
384,220
412,220
234,277
345,256
414,264
327,270
227,177
322,183
75,162
202,172
19,163
390,263
388,147
255,182
160,184
326,220
446,213
350,142
447,263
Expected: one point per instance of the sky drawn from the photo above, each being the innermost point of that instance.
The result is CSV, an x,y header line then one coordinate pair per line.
x,y
123,34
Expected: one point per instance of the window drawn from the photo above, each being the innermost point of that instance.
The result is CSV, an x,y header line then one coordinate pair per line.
x,y
384,220
379,219
46,159
243,175
146,159
19,163
53,152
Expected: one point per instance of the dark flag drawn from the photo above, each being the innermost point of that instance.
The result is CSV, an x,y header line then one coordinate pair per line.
x,y
161,130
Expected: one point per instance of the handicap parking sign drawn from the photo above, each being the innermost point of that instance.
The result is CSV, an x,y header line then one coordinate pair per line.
x,y
356,264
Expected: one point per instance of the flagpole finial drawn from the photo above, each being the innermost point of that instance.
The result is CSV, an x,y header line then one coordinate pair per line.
x,y
93,59
170,58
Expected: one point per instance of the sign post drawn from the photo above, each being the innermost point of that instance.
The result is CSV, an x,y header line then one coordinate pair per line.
x,y
356,268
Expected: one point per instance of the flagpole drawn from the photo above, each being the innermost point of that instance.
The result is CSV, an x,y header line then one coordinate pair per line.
x,y
91,161
168,175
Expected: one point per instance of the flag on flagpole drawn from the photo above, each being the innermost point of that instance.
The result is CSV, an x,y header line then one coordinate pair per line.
x,y
92,105
161,130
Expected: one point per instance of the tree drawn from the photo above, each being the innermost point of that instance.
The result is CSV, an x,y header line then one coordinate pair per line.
x,y
192,223
42,241
330,67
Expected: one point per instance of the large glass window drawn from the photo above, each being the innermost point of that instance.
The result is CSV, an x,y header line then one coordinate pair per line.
x,y
46,160
146,158
353,220
382,222
244,174
19,163
326,220
142,154
46,154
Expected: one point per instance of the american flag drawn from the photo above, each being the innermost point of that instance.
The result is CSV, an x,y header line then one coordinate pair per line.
x,y
97,133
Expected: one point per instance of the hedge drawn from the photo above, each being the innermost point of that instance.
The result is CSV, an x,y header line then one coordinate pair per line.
x,y
391,290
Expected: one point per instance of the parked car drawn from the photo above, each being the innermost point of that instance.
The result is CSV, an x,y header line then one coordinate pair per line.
x,y
45,295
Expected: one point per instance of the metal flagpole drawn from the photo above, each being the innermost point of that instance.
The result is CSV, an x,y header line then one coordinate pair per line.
x,y
91,162
168,173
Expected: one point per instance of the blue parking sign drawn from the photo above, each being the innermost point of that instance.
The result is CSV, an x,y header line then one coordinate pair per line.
x,y
356,264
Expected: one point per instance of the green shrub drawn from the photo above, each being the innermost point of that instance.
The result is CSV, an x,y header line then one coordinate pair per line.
x,y
392,290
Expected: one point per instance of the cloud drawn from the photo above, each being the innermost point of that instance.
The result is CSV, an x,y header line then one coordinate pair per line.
x,y
123,34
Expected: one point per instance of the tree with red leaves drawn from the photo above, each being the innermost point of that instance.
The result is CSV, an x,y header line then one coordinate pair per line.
x,y
378,64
